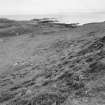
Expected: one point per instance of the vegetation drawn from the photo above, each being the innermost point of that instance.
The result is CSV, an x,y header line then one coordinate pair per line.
x,y
73,69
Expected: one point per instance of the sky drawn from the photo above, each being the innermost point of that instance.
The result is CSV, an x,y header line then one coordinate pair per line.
x,y
37,7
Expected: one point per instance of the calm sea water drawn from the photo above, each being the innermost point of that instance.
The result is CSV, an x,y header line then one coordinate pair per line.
x,y
81,18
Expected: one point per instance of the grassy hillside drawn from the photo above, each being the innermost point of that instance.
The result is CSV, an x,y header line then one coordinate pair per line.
x,y
53,64
38,26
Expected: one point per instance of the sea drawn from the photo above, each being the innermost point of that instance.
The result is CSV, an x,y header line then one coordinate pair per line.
x,y
79,17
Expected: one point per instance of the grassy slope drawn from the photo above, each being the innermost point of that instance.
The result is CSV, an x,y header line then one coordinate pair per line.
x,y
14,28
65,66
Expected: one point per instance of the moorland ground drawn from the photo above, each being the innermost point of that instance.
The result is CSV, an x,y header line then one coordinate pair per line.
x,y
48,63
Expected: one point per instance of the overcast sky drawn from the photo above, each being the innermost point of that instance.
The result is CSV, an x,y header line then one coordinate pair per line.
x,y
8,7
